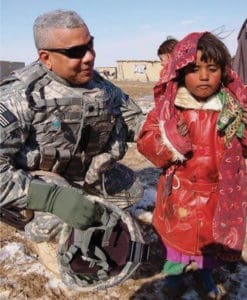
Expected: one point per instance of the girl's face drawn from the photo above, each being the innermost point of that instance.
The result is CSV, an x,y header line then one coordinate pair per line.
x,y
202,79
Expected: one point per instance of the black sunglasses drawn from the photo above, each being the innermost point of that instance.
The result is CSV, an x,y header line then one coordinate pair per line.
x,y
76,51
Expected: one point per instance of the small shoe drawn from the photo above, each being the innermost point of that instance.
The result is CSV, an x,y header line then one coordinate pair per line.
x,y
207,285
191,267
174,286
218,293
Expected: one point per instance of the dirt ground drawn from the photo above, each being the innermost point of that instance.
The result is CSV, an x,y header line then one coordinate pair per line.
x,y
136,89
23,277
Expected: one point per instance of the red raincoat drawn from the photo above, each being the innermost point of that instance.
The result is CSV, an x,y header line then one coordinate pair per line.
x,y
202,192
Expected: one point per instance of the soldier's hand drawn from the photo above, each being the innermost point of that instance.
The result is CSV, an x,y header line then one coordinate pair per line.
x,y
71,205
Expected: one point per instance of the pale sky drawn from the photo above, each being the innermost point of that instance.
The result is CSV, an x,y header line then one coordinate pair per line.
x,y
123,29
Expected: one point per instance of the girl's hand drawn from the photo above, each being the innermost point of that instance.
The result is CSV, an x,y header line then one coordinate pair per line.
x,y
182,127
244,118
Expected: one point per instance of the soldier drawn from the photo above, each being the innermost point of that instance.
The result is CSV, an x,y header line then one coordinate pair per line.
x,y
63,128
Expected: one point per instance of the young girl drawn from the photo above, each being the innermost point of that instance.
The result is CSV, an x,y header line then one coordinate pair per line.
x,y
197,133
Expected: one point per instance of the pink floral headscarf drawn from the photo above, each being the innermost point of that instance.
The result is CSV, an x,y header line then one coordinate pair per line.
x,y
229,225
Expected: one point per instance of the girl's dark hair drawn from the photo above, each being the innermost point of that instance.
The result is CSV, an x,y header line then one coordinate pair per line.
x,y
213,48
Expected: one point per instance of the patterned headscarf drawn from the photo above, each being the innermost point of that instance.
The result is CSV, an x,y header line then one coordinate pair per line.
x,y
230,217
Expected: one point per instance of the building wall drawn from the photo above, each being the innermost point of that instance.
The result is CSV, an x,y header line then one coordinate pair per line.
x,y
6,67
136,70
140,70
108,72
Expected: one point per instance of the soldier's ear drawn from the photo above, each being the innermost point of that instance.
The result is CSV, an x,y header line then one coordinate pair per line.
x,y
45,58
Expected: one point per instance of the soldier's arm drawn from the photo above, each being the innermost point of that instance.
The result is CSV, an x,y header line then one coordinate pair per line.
x,y
132,114
13,132
134,118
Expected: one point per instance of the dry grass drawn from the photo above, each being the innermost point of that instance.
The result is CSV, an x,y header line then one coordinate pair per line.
x,y
136,89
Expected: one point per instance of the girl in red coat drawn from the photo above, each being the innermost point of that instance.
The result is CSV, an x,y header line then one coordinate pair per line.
x,y
197,133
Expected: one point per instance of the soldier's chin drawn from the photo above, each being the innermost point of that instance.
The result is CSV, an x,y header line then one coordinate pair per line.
x,y
83,79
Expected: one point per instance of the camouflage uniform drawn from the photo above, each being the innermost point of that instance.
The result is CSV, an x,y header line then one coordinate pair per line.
x,y
77,133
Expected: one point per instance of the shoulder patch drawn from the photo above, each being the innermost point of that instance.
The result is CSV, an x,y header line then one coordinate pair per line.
x,y
6,116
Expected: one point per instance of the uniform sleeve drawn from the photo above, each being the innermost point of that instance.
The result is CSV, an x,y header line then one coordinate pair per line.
x,y
13,132
133,116
134,119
